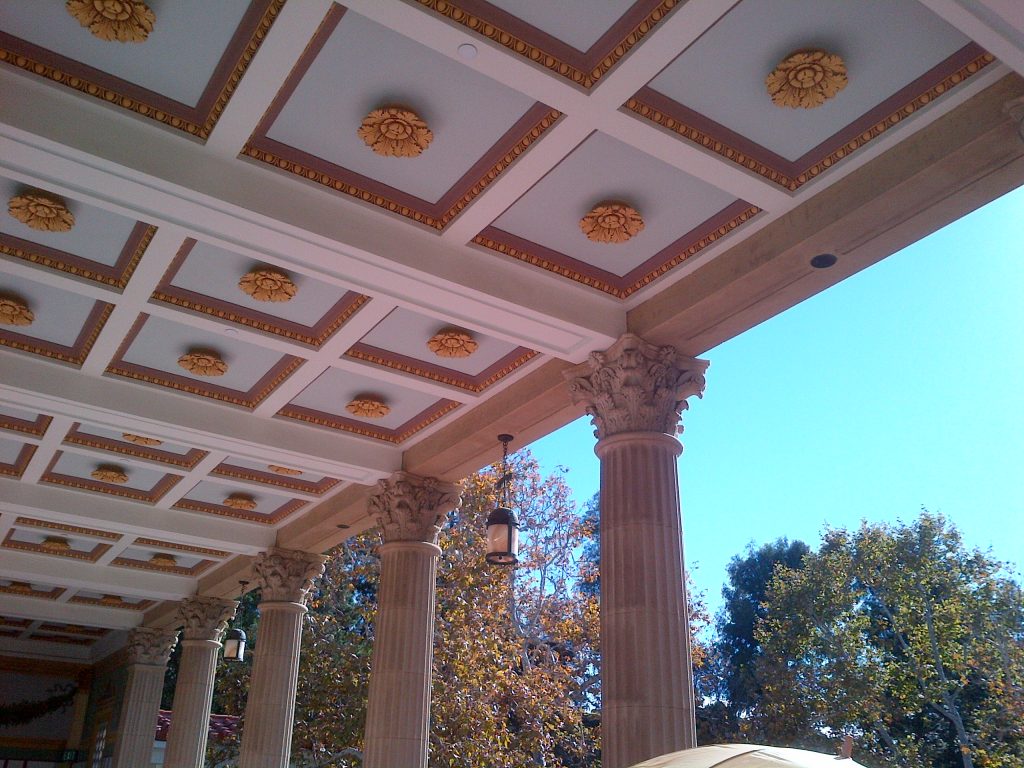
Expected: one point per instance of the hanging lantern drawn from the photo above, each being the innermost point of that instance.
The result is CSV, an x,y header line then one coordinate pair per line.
x,y
502,526
234,640
234,645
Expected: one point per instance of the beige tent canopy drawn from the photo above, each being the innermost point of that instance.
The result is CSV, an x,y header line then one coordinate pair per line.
x,y
747,756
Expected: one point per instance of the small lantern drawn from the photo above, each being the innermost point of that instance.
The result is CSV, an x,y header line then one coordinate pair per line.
x,y
502,537
502,526
234,645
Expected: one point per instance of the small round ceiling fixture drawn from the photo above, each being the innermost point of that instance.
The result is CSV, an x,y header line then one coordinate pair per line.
x,y
42,211
467,51
108,473
267,285
368,407
122,21
452,342
14,311
612,222
203,363
395,132
240,501
824,261
140,440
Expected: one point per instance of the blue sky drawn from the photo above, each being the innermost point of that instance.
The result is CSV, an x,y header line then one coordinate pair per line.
x,y
901,387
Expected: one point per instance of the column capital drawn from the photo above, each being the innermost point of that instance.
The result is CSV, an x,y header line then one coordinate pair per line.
x,y
635,386
148,645
408,507
205,618
286,575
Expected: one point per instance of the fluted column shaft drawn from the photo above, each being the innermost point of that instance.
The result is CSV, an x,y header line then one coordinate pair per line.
x,y
148,650
193,692
398,708
646,671
269,715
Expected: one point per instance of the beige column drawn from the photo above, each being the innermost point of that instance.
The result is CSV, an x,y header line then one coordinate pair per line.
x,y
285,578
409,509
148,650
203,620
635,393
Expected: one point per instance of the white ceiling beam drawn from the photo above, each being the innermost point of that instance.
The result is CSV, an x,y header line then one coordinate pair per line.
x,y
68,613
984,23
130,518
59,426
294,26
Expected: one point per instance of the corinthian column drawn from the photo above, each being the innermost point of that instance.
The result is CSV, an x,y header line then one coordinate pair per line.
x,y
148,650
409,511
636,393
204,620
285,578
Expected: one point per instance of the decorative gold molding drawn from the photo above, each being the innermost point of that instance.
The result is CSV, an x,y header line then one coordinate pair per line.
x,y
113,601
56,353
109,474
806,79
319,487
32,522
395,131
157,543
445,377
267,285
41,211
356,428
25,589
14,311
122,21
324,178
140,440
276,516
452,342
368,407
205,363
188,460
587,79
27,546
612,223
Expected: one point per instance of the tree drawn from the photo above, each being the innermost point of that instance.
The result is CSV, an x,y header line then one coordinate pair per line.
x,y
904,638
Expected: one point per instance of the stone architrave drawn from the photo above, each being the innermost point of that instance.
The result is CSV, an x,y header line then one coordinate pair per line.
x,y
409,510
635,393
285,578
203,621
148,650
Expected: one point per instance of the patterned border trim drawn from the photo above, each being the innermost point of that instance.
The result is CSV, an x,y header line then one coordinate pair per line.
x,y
474,384
124,605
179,570
144,542
276,516
18,467
73,554
32,522
75,355
320,487
74,629
623,287
42,638
151,496
135,246
263,150
793,180
187,461
136,103
36,428
537,55
402,433
53,594
6,621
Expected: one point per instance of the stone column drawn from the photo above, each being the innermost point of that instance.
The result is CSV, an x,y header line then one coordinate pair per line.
x,y
148,650
409,510
204,620
635,393
285,578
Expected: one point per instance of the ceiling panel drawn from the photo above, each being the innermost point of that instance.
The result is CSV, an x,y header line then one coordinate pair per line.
x,y
243,503
94,472
130,444
14,456
475,122
275,475
22,421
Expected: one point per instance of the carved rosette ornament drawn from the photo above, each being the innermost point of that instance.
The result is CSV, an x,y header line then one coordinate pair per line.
x,y
452,342
140,440
411,508
636,387
147,645
14,311
806,79
368,407
124,21
203,363
110,474
286,575
42,211
277,469
205,618
612,223
56,544
240,501
163,560
395,132
268,285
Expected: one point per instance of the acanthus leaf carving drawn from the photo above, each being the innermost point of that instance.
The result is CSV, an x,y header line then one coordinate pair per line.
x,y
408,507
286,575
636,387
148,645
205,618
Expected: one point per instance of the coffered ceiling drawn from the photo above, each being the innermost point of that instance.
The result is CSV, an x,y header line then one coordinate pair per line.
x,y
275,250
